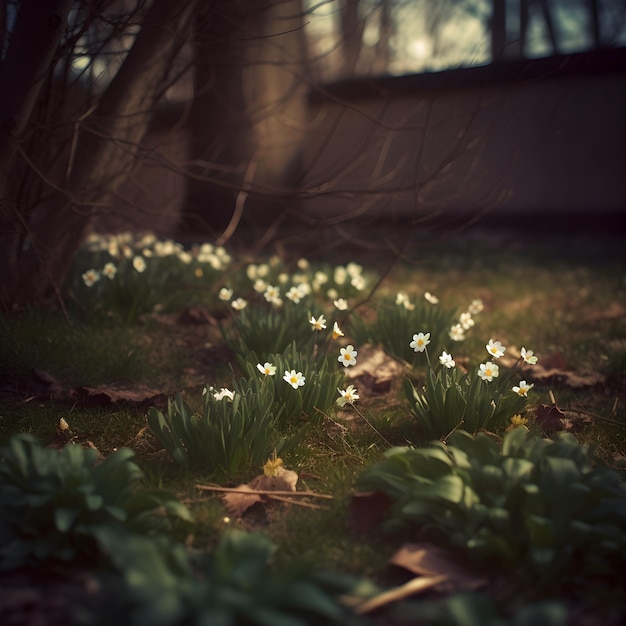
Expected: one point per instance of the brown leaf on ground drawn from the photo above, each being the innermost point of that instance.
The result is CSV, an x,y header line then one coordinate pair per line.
x,y
427,559
552,368
135,393
411,588
245,497
196,315
368,509
549,418
375,370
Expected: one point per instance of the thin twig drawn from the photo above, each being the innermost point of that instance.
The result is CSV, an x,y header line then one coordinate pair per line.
x,y
264,492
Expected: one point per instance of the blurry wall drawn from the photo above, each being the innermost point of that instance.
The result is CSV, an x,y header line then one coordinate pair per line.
x,y
534,137
522,137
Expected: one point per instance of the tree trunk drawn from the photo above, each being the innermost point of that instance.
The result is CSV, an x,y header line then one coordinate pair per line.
x,y
106,149
352,27
248,115
33,44
498,30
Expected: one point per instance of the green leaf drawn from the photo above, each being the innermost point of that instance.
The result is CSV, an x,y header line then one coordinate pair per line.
x,y
64,519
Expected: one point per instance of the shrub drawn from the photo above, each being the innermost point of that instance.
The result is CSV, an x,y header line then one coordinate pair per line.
x,y
452,399
228,436
318,392
536,507
58,505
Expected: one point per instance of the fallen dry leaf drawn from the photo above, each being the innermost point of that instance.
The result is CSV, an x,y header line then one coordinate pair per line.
x,y
135,393
414,586
375,370
549,418
427,559
246,496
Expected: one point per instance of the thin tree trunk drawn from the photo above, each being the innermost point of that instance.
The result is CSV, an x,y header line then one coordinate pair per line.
x,y
105,153
498,30
34,41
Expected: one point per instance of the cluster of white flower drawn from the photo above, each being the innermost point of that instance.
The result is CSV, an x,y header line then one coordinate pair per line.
x,y
137,249
486,371
466,320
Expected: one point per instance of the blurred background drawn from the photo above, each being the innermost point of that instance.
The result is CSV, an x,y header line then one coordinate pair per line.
x,y
252,120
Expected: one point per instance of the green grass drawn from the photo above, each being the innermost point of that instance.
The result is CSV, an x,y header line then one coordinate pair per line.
x,y
533,298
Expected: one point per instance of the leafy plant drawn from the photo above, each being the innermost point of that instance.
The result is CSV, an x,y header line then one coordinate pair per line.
x,y
318,393
394,326
235,584
537,508
452,399
228,436
57,505
270,329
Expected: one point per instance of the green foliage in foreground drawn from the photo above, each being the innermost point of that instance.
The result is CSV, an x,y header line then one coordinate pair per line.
x,y
535,507
451,400
60,505
235,584
227,436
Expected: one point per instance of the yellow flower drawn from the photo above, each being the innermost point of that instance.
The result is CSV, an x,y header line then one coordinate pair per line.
x,y
273,466
516,422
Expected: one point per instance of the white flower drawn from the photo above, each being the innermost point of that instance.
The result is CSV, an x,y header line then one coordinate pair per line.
x,y
90,277
239,304
465,319
488,371
263,270
267,368
139,264
337,332
225,294
294,294
353,269
340,275
251,271
302,264
341,304
347,356
476,306
347,396
320,278
272,293
528,356
358,282
304,289
401,298
223,393
523,388
495,348
431,298
446,360
259,285
457,333
332,294
295,379
109,270
420,341
319,323
184,256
